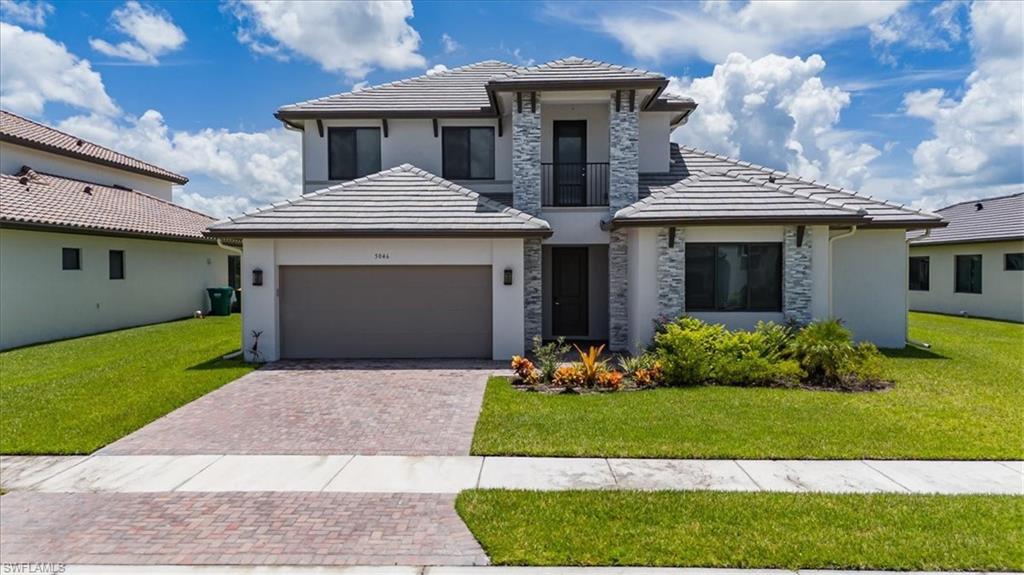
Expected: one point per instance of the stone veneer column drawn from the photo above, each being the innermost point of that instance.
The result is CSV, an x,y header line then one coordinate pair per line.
x,y
797,280
526,197
623,168
671,274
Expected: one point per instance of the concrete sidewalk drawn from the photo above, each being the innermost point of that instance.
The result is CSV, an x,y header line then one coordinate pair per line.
x,y
451,474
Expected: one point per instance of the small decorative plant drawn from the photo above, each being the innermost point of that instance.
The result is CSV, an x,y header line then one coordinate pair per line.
x,y
549,355
569,376
610,380
524,370
590,363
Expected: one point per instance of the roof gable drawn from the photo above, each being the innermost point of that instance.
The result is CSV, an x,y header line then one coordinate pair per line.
x,y
32,199
1000,218
22,131
575,71
401,201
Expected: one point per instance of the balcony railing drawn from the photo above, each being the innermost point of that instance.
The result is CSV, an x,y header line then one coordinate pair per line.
x,y
574,185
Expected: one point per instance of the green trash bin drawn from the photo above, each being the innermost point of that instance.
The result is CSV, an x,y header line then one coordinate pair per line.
x,y
220,300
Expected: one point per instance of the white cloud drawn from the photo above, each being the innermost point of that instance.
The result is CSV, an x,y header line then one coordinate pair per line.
x,y
449,43
977,143
777,112
152,34
939,29
249,169
756,29
37,70
348,37
31,13
438,68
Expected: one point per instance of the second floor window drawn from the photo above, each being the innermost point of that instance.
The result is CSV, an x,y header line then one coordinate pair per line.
x,y
352,152
468,153
919,273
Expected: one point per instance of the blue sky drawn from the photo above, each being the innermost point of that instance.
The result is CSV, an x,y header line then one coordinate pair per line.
x,y
903,100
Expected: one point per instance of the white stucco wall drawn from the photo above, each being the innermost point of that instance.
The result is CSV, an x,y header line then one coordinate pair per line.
x,y
13,157
261,311
1002,291
575,226
642,285
409,141
654,139
869,285
41,302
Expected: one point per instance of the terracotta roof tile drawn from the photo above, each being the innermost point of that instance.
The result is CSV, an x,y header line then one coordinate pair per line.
x,y
45,200
22,131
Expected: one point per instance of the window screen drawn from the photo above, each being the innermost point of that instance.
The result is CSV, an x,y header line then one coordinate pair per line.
x,y
352,152
468,153
116,265
968,274
919,273
71,258
734,277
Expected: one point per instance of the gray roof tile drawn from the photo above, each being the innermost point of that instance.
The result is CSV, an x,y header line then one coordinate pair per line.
x,y
25,132
401,201
461,90
686,162
575,69
1000,218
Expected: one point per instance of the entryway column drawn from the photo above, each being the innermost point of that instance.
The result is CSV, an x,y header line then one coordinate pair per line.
x,y
623,169
526,197
671,272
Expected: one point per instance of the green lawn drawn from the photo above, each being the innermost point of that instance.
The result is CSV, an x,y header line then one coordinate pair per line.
x,y
77,395
752,530
962,399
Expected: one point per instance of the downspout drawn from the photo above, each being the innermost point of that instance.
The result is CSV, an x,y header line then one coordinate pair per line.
x,y
831,265
220,243
906,293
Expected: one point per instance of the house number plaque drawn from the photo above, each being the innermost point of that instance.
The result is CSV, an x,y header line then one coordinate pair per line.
x,y
381,256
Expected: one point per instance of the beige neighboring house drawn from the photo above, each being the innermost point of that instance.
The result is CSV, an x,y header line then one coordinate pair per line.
x,y
975,266
90,240
462,213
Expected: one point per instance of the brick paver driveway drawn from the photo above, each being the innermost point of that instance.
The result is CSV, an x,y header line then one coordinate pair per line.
x,y
410,407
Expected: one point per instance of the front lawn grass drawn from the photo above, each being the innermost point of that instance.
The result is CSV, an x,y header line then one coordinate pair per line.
x,y
962,399
748,530
77,395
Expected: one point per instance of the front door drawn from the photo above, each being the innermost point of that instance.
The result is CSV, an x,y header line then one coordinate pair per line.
x,y
569,292
570,159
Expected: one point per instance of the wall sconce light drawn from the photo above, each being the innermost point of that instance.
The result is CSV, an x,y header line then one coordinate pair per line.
x,y
257,277
508,276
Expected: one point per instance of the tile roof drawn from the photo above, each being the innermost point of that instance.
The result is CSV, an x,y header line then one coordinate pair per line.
x,y
575,70
464,90
401,201
459,90
37,200
717,195
22,131
731,175
1000,218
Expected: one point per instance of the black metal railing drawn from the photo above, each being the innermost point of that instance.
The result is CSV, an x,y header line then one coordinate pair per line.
x,y
574,185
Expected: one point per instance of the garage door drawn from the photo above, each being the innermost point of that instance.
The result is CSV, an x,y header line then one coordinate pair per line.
x,y
385,311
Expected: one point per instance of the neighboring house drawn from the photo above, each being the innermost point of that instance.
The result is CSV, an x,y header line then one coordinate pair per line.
x,y
90,241
976,265
462,213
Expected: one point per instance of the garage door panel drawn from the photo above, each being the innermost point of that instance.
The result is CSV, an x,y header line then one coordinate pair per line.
x,y
385,311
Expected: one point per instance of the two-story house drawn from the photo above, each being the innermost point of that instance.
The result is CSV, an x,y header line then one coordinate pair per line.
x,y
462,213
90,240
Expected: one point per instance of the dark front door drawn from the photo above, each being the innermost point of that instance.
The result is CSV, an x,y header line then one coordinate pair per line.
x,y
569,292
570,159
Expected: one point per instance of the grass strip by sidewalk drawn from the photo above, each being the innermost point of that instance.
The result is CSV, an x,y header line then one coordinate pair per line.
x,y
959,400
77,395
748,530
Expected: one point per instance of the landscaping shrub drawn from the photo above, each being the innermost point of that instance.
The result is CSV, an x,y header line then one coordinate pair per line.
x,y
826,352
590,364
610,380
569,376
549,355
692,352
524,370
